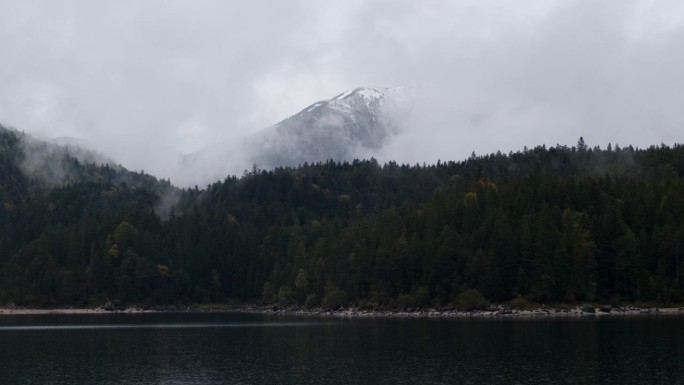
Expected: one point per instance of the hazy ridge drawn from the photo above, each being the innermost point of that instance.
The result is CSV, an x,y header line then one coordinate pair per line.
x,y
559,224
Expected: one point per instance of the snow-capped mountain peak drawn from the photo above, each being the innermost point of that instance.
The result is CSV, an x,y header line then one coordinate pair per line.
x,y
347,126
354,124
347,101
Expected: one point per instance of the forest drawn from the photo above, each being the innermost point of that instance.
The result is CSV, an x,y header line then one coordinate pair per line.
x,y
546,225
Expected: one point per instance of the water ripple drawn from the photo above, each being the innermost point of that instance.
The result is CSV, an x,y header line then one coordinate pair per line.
x,y
158,326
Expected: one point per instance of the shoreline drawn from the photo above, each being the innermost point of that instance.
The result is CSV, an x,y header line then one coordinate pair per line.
x,y
492,312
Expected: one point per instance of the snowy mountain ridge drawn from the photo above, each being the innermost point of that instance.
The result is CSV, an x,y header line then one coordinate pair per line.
x,y
350,125
354,124
370,96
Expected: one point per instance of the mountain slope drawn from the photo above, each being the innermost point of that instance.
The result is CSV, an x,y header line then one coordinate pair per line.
x,y
31,167
546,225
351,125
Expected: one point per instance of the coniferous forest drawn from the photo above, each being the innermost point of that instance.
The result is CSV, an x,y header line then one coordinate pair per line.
x,y
547,225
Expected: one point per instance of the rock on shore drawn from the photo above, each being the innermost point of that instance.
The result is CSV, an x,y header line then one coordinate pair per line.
x,y
491,312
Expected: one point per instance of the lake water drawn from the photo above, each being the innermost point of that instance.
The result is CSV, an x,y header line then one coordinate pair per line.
x,y
259,349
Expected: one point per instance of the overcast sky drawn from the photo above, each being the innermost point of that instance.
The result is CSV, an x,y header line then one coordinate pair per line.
x,y
143,79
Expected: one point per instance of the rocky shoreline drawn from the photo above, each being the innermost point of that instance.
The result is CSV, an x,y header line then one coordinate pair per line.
x,y
492,312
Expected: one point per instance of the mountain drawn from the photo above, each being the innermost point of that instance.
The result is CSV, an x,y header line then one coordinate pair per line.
x,y
353,124
50,161
547,225
35,166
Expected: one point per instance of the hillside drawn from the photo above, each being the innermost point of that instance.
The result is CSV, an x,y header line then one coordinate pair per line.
x,y
352,125
348,126
559,224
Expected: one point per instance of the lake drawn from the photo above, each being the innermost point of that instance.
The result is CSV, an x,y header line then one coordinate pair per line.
x,y
230,348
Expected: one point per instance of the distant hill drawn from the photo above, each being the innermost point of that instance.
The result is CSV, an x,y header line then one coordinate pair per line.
x,y
349,126
352,125
547,225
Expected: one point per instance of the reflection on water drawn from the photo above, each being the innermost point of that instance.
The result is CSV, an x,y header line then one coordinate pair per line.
x,y
258,349
154,326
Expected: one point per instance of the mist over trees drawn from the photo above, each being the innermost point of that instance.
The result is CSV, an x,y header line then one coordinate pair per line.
x,y
557,224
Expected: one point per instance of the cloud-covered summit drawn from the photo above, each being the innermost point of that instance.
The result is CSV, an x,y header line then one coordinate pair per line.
x,y
354,124
146,81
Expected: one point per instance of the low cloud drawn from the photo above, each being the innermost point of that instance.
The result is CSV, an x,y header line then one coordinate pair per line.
x,y
147,82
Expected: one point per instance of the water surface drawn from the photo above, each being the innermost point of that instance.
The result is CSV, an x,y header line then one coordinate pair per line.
x,y
228,348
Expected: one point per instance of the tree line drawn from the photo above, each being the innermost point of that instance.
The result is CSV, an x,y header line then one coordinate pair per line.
x,y
547,225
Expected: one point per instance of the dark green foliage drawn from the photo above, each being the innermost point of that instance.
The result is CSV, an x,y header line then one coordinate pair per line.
x,y
417,298
334,297
546,225
471,299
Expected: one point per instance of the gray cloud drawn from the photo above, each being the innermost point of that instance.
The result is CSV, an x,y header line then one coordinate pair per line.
x,y
144,81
